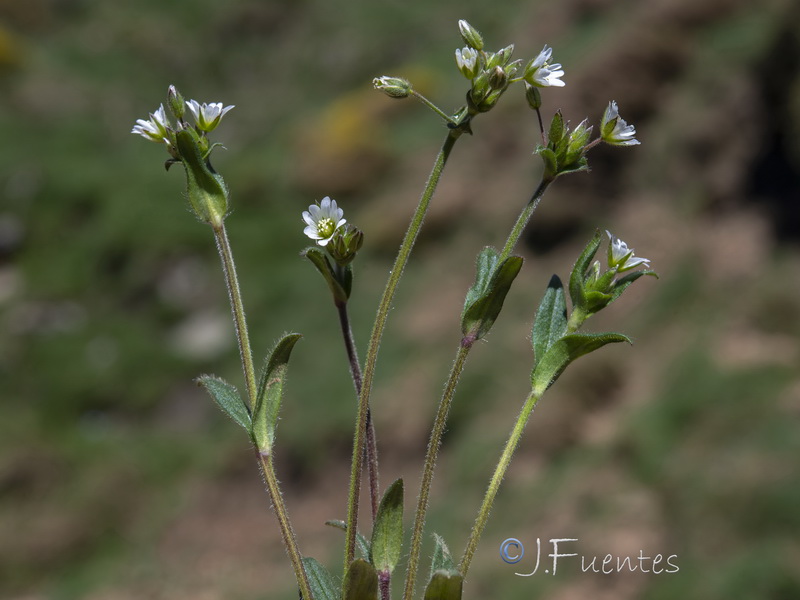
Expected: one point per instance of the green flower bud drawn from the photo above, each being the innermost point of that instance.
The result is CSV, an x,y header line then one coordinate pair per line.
x,y
470,35
345,244
176,102
498,79
533,96
394,87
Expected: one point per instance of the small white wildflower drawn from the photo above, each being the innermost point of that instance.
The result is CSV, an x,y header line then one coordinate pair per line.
x,y
541,73
467,61
154,129
322,221
614,130
207,116
621,257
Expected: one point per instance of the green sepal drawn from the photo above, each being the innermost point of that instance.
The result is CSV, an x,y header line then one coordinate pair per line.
x,y
339,289
557,131
582,164
444,586
577,278
485,299
625,281
595,301
270,392
324,586
550,162
227,398
551,318
205,188
361,582
564,351
387,533
442,560
361,542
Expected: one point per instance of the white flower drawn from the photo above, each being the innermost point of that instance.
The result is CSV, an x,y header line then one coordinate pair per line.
x,y
541,73
467,61
207,116
154,129
614,130
322,221
621,257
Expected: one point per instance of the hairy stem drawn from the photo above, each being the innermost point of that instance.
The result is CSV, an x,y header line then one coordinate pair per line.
x,y
444,405
494,484
287,533
371,448
522,220
265,460
430,464
377,334
237,308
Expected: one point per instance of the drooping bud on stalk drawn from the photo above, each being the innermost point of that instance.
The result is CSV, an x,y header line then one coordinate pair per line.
x,y
394,87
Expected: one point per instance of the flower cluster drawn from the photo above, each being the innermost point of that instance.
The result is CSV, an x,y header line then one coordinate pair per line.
x,y
158,128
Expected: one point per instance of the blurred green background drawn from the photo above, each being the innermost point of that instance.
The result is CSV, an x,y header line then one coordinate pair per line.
x,y
119,478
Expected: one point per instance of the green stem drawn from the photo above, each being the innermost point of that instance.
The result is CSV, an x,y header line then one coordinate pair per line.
x,y
522,220
237,308
430,464
494,484
267,468
377,334
287,533
371,447
433,107
444,405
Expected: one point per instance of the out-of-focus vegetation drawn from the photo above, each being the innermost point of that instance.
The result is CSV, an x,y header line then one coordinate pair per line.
x,y
118,477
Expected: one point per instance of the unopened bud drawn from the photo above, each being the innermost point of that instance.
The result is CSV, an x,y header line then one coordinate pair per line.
x,y
498,79
533,96
470,35
176,103
394,87
345,244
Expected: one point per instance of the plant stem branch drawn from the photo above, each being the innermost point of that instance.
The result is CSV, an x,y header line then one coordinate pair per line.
x,y
433,107
430,464
377,334
494,484
371,447
287,533
444,405
265,460
237,308
522,220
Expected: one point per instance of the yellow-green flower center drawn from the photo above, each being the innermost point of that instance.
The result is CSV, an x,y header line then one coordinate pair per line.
x,y
325,227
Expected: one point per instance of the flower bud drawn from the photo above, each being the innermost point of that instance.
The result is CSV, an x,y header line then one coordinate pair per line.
x,y
467,61
470,35
533,96
394,87
498,79
345,244
176,102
